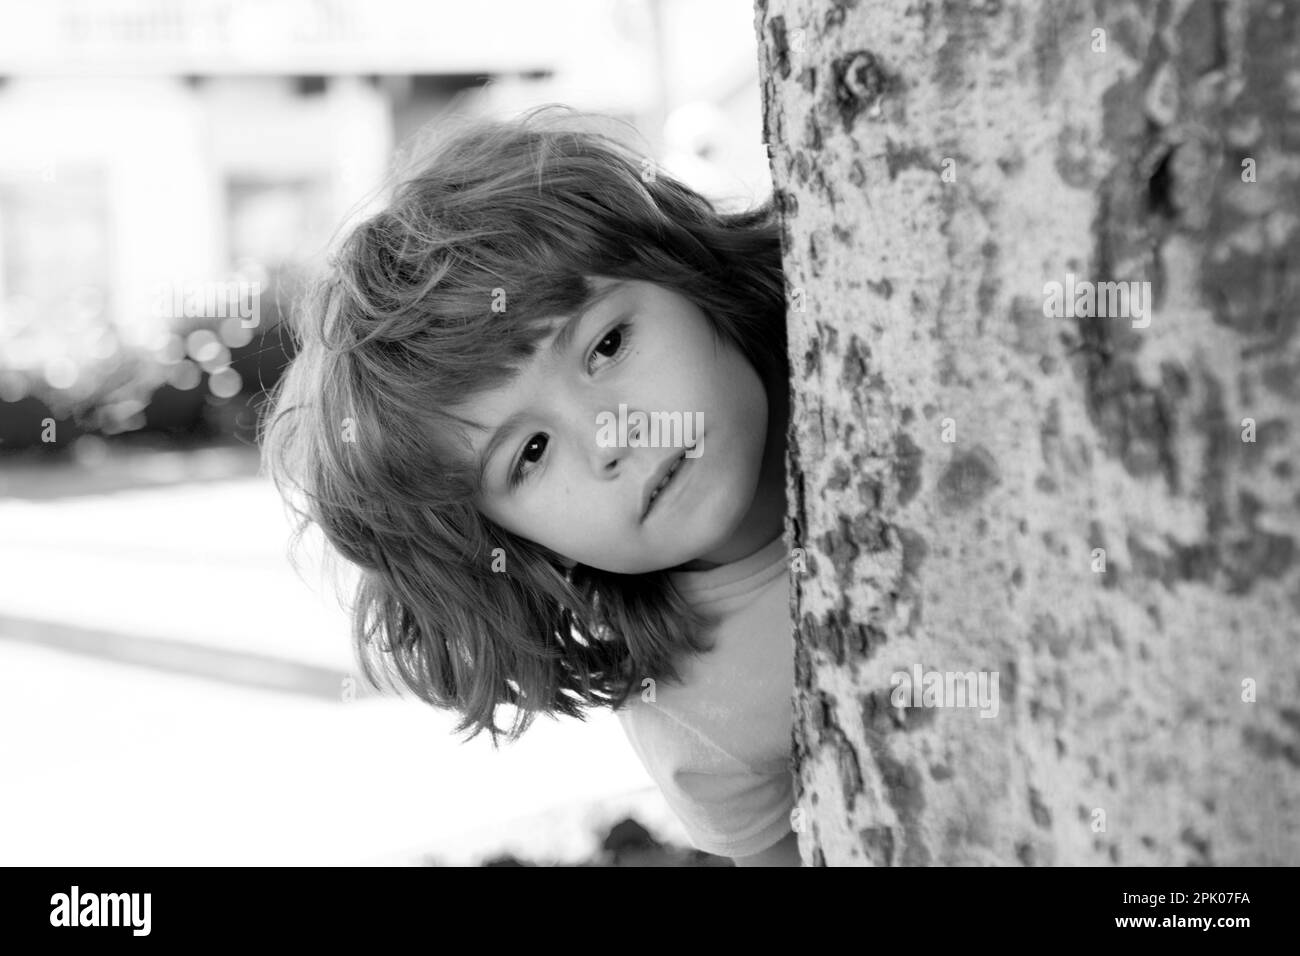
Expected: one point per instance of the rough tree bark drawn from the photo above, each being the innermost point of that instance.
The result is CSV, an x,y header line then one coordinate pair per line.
x,y
1105,513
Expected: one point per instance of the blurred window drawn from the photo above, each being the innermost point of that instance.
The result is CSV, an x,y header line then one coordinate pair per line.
x,y
275,222
55,257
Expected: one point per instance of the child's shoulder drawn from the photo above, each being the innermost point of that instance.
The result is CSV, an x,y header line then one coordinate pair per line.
x,y
734,709
726,776
670,737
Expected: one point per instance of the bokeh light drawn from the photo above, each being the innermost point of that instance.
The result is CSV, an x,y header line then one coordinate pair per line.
x,y
185,375
225,383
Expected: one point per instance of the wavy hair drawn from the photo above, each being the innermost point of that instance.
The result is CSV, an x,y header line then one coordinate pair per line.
x,y
399,327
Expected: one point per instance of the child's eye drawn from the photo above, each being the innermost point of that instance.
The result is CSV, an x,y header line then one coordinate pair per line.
x,y
619,335
519,473
614,342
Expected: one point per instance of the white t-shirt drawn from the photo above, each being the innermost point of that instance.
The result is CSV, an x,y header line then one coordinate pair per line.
x,y
719,745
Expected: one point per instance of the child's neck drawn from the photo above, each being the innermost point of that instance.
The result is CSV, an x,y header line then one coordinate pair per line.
x,y
765,519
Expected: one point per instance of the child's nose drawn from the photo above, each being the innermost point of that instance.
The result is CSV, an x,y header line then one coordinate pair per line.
x,y
607,453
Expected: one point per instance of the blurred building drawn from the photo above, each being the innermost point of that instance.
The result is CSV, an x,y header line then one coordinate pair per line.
x,y
169,168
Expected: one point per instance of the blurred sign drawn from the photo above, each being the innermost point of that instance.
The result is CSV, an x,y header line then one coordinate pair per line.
x,y
278,36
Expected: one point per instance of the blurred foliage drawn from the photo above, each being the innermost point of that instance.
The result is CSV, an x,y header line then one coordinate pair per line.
x,y
201,381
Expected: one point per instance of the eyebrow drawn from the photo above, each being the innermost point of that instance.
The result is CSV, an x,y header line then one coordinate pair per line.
x,y
559,345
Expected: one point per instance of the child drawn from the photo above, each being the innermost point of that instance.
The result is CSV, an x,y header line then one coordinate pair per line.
x,y
439,424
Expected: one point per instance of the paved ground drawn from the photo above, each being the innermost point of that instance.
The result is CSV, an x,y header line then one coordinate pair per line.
x,y
173,694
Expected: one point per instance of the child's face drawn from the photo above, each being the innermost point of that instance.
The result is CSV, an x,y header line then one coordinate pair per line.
x,y
652,349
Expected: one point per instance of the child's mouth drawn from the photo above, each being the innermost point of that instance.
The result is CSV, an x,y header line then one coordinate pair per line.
x,y
670,480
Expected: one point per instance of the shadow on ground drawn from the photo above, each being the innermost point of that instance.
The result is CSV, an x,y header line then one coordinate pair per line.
x,y
627,843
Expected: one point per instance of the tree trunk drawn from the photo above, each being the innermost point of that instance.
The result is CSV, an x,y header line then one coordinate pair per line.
x,y
1086,503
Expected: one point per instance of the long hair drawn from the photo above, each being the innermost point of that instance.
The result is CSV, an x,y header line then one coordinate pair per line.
x,y
400,326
